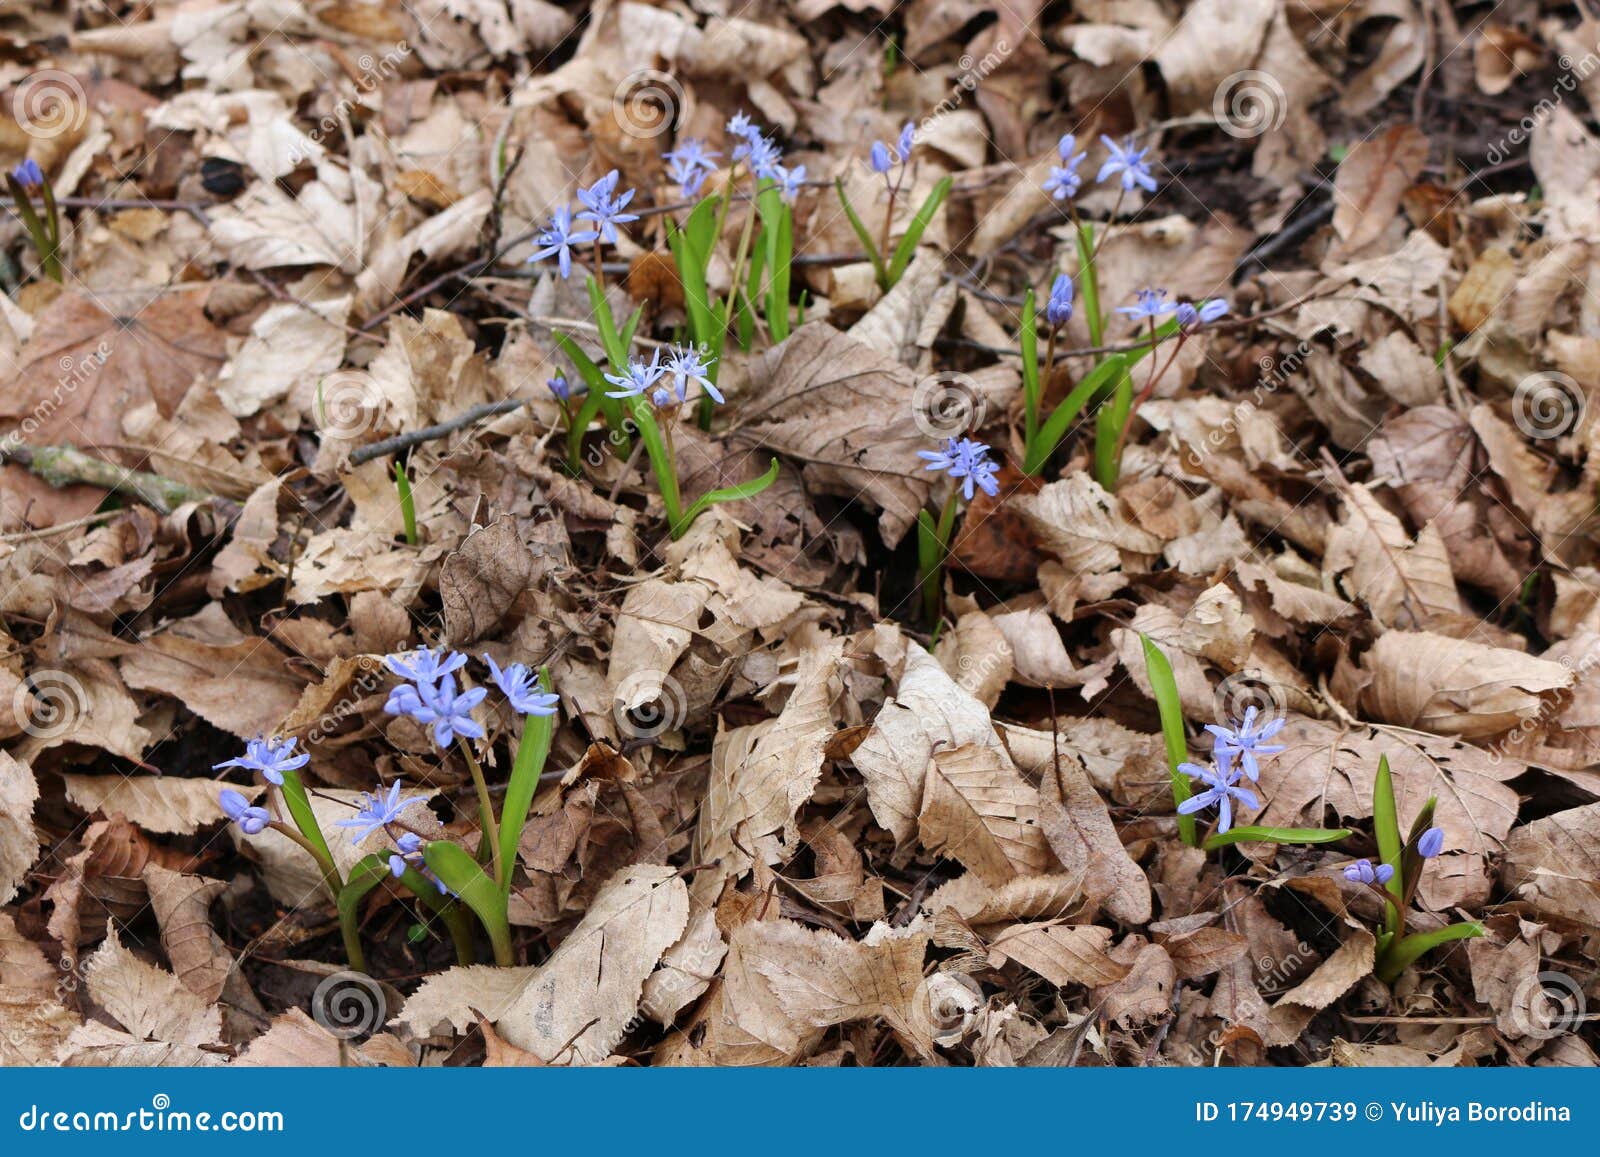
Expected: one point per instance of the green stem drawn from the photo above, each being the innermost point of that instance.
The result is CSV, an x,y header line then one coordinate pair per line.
x,y
491,830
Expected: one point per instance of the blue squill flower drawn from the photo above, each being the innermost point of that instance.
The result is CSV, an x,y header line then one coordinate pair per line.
x,y
1362,872
446,710
1065,180
520,686
602,206
1149,303
1430,843
1222,788
908,141
29,175
740,125
967,461
1130,163
237,808
409,855
789,182
1058,310
424,665
270,759
879,158
1208,311
1247,742
377,810
687,366
637,378
559,387
689,165
764,158
558,238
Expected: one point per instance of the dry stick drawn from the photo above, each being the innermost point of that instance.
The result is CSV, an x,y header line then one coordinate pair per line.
x,y
63,466
428,433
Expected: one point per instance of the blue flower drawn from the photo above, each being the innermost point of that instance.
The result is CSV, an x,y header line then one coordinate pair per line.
x,y
409,855
521,689
1222,788
764,158
688,366
559,387
740,125
1430,843
1058,310
602,206
790,180
1130,162
424,665
29,175
967,461
1151,303
270,759
1362,872
690,164
638,378
908,140
1190,317
879,158
250,819
558,238
440,705
377,810
1064,180
1247,742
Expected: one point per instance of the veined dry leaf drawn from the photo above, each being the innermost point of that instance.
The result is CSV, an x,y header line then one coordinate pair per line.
x,y
162,804
1062,954
1457,687
846,411
1082,525
1144,994
1080,832
820,979
1052,898
1550,864
481,579
977,809
19,843
183,910
1331,980
294,1040
1405,583
687,969
1371,180
449,998
104,879
97,1046
35,1027
150,1003
597,973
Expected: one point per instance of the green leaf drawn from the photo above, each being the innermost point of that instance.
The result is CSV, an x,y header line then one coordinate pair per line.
x,y
919,224
594,402
930,560
1109,423
408,503
662,463
1398,957
1055,428
532,752
725,494
1165,687
1386,826
777,234
1089,284
368,873
1028,337
1276,836
299,805
462,875
610,340
863,236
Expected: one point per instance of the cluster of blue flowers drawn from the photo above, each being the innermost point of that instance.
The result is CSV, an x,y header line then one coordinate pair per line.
x,y
29,175
690,164
1126,163
430,696
685,366
1429,845
1234,751
884,159
269,758
1058,310
967,461
602,207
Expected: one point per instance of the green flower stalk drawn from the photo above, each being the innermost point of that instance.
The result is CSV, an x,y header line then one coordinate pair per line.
x,y
42,222
967,462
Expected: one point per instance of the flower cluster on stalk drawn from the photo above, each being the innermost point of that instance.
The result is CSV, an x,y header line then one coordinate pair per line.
x,y
967,461
603,207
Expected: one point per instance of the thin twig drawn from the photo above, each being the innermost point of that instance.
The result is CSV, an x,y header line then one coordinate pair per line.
x,y
428,433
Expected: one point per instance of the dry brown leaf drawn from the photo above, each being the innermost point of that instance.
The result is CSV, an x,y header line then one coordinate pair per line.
x,y
1550,864
19,843
1061,954
1371,180
150,1003
183,909
1457,687
1405,583
156,803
